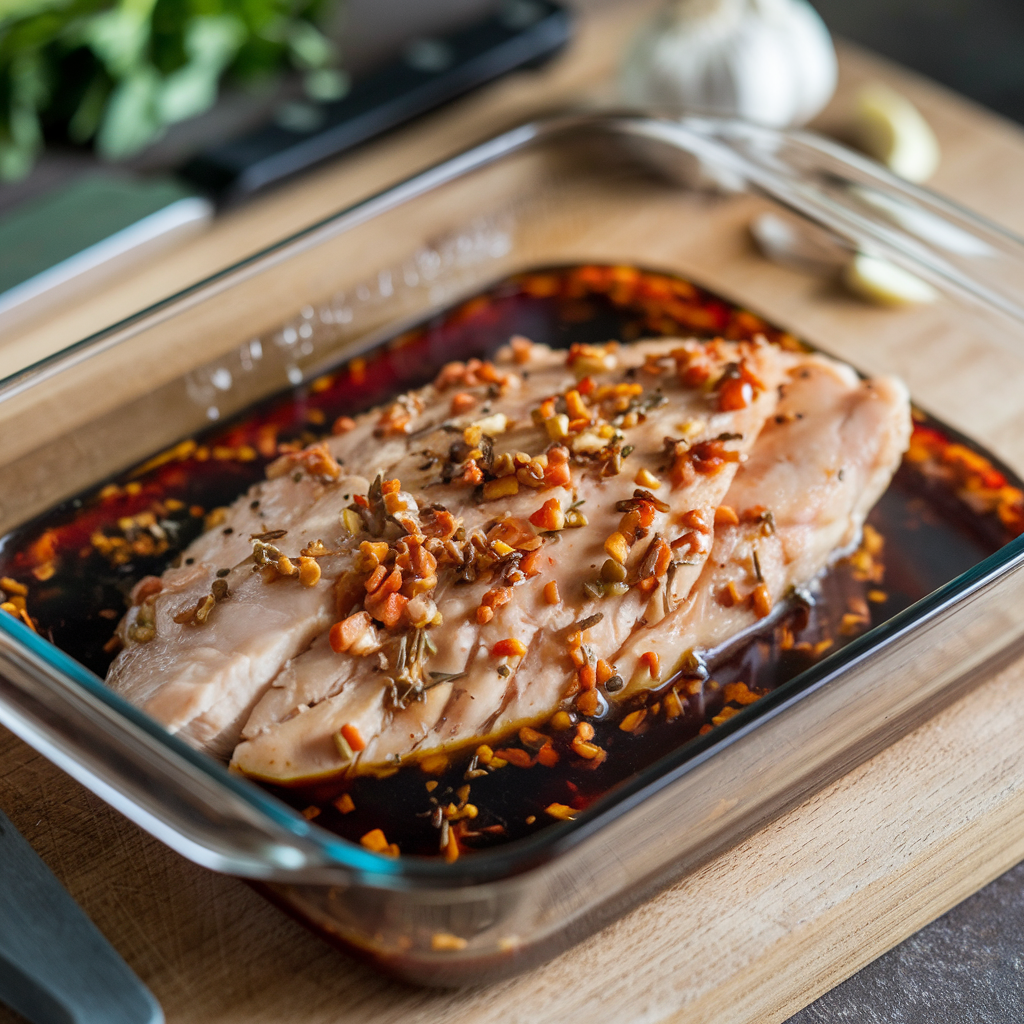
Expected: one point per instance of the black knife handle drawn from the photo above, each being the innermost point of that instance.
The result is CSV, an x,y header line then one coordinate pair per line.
x,y
55,966
522,33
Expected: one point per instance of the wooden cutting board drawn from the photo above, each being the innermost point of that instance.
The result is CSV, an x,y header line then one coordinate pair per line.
x,y
754,935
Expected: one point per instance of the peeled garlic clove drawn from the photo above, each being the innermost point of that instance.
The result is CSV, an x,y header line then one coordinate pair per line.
x,y
884,283
798,244
890,128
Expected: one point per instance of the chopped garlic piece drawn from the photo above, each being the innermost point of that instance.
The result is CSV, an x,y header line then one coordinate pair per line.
x,y
493,425
588,441
557,426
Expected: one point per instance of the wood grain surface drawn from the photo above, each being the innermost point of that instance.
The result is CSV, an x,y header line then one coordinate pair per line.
x,y
754,935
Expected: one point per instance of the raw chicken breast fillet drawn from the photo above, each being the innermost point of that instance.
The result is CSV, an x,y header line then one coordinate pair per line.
x,y
455,564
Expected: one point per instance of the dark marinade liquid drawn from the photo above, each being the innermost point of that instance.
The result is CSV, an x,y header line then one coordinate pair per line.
x,y
80,560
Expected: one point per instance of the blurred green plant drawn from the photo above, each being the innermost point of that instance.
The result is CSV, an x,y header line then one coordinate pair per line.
x,y
116,73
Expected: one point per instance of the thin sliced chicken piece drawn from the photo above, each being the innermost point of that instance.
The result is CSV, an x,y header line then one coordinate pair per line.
x,y
201,674
816,471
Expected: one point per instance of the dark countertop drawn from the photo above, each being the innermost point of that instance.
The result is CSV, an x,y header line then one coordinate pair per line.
x,y
967,967
974,47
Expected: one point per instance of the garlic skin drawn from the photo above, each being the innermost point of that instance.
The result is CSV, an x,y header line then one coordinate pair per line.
x,y
767,61
798,244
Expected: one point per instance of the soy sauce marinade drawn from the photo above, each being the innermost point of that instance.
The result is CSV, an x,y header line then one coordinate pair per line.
x,y
69,572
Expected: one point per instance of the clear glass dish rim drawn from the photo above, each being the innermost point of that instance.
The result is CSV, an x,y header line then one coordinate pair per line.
x,y
554,842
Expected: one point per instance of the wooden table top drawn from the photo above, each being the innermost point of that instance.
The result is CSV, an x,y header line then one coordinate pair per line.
x,y
752,936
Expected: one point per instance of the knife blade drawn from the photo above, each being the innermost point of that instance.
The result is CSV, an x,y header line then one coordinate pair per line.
x,y
55,965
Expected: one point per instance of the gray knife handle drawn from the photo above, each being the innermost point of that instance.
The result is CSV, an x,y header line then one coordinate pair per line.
x,y
55,966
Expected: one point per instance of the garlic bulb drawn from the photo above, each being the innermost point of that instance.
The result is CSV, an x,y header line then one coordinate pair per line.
x,y
768,61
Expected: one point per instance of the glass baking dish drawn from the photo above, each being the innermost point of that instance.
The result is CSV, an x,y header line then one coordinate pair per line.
x,y
597,188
